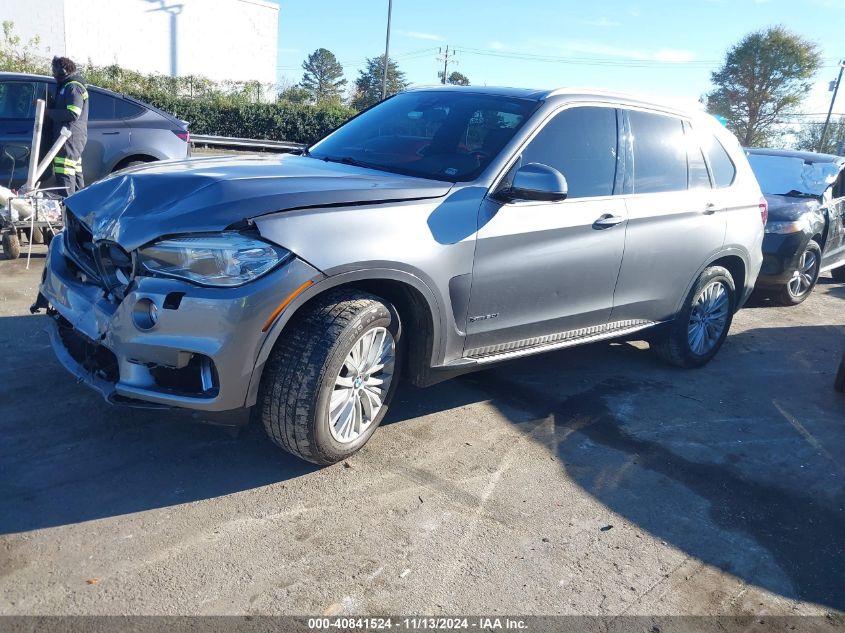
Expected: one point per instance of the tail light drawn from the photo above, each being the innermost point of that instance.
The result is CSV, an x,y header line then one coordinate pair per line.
x,y
764,210
185,136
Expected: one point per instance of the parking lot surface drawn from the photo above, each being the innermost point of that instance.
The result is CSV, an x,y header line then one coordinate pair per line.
x,y
588,481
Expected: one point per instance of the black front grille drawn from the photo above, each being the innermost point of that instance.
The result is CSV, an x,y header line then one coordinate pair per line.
x,y
114,265
103,261
80,245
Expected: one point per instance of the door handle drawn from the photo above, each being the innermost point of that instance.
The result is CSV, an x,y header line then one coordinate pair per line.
x,y
110,133
709,208
607,221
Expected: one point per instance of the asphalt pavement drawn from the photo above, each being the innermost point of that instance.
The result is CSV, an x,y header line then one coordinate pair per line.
x,y
589,481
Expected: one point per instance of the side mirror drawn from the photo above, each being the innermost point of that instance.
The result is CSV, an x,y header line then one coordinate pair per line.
x,y
536,181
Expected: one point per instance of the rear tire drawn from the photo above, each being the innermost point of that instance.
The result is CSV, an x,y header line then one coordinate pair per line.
x,y
710,303
797,289
838,274
316,402
11,245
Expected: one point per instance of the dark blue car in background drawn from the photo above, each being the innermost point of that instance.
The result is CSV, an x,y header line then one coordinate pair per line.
x,y
122,131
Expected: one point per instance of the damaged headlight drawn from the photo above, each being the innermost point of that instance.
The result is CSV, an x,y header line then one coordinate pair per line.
x,y
783,228
220,259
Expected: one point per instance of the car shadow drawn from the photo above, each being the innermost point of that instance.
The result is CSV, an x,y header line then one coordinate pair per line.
x,y
737,464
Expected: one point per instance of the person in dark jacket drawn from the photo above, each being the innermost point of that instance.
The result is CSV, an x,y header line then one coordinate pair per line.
x,y
70,109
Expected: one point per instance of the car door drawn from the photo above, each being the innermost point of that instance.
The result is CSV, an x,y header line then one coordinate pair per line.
x,y
108,136
544,272
834,200
17,118
676,219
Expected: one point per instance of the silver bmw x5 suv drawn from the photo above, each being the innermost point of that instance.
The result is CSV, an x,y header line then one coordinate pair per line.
x,y
438,232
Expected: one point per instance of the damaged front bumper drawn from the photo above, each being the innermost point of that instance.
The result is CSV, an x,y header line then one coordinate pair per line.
x,y
199,352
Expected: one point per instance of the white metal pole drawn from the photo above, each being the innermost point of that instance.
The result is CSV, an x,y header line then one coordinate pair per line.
x,y
35,148
64,135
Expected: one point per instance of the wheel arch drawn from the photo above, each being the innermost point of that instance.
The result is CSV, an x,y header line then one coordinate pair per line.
x,y
123,162
736,263
736,266
419,311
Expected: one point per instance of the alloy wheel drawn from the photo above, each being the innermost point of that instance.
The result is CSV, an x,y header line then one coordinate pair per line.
x,y
802,279
708,318
362,385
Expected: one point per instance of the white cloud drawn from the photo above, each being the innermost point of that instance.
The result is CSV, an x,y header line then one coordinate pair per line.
x,y
417,35
669,55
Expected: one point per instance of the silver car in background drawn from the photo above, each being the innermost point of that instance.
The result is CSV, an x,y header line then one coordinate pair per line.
x,y
436,233
122,131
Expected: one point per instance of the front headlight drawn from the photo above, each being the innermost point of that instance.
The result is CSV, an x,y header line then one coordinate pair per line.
x,y
796,226
218,259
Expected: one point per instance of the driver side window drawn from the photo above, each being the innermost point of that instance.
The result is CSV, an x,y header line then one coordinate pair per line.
x,y
582,144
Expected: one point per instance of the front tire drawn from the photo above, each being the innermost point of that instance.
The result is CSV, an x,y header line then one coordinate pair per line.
x,y
804,279
330,378
702,325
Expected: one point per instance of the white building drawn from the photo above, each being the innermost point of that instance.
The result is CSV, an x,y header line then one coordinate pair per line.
x,y
232,40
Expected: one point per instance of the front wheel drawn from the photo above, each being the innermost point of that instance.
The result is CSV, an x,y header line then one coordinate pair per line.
x,y
330,379
804,278
702,325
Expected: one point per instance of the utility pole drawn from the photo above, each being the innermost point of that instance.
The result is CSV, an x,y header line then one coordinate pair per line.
x,y
446,60
830,110
386,52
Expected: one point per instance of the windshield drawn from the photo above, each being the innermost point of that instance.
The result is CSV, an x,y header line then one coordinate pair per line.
x,y
448,136
788,175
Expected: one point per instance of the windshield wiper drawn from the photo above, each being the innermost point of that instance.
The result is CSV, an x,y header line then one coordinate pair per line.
x,y
345,160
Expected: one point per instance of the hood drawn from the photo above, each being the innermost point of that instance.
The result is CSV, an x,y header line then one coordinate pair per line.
x,y
135,206
785,174
789,208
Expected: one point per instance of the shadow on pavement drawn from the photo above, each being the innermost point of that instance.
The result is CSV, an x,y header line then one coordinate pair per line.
x,y
738,464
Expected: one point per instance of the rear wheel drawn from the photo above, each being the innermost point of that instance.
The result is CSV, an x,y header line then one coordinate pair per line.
x,y
804,278
11,245
701,327
330,379
838,274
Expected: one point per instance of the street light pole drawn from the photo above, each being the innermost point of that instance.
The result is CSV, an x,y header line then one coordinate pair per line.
x,y
387,52
830,110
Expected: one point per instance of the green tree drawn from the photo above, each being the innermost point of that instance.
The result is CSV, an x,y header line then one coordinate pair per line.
x,y
294,94
323,77
17,57
810,134
455,78
368,86
764,78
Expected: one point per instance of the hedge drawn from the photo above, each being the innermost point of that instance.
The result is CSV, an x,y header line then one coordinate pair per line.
x,y
298,123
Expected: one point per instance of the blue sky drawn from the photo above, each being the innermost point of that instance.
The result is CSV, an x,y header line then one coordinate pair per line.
x,y
658,47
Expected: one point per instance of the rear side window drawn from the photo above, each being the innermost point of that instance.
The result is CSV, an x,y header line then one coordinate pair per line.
x,y
721,164
124,109
100,106
581,143
660,157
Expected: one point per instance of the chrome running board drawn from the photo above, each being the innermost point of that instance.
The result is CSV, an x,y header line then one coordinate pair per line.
x,y
560,340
